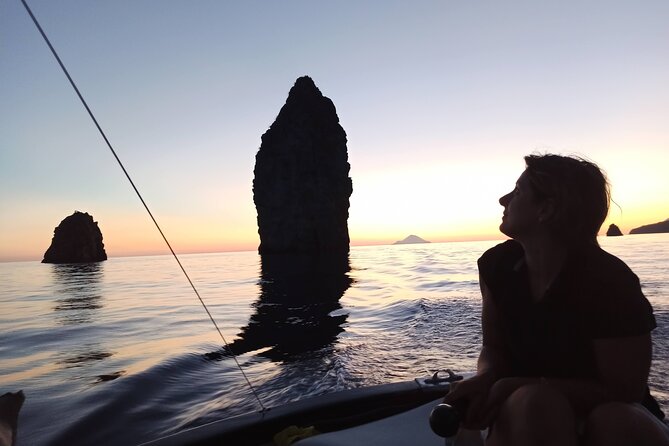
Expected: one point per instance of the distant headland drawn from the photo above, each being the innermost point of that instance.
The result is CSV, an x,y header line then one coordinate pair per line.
x,y
410,240
662,226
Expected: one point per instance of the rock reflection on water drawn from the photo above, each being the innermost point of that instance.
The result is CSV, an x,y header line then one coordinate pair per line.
x,y
78,301
87,354
293,313
78,293
90,357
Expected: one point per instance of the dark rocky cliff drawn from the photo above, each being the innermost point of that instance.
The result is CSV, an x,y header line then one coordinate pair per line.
x,y
301,185
77,239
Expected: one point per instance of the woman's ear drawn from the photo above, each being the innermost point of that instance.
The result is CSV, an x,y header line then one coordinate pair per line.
x,y
546,210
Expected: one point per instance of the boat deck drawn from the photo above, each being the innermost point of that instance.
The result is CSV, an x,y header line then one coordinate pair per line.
x,y
403,429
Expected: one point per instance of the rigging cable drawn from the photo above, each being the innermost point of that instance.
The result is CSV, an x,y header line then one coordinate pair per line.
x,y
95,121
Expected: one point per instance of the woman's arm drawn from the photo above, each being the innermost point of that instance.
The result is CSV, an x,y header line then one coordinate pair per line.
x,y
491,365
623,365
492,359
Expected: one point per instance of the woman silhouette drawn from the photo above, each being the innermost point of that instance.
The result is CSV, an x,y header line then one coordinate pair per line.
x,y
566,329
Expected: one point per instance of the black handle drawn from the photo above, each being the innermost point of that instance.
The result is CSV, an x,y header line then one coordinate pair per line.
x,y
445,419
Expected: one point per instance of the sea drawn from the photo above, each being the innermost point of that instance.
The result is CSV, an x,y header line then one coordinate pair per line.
x,y
122,352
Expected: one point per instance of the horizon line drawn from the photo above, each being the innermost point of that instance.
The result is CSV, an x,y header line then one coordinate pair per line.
x,y
156,253
222,251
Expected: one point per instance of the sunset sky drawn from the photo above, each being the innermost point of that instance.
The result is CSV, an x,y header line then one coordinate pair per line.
x,y
440,101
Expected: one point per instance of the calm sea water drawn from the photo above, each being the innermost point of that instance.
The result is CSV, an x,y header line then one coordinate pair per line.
x,y
122,352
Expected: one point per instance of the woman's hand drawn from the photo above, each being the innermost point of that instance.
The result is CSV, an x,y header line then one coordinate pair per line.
x,y
473,393
484,397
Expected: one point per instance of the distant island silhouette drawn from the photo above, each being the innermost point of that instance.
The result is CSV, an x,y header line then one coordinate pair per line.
x,y
613,231
662,226
410,240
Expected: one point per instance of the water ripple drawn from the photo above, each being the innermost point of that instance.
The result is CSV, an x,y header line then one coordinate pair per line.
x,y
119,351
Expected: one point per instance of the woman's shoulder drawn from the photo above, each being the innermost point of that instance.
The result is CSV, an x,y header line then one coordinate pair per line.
x,y
612,299
505,250
607,279
601,265
503,256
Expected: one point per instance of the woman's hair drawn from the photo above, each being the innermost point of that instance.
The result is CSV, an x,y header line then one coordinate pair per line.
x,y
580,192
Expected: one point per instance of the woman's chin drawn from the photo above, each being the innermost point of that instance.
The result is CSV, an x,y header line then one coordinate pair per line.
x,y
504,229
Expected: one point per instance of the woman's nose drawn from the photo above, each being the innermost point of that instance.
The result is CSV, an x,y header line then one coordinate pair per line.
x,y
504,199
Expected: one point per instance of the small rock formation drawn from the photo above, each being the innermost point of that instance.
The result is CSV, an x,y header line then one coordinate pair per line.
x,y
301,186
77,239
613,231
410,239
662,226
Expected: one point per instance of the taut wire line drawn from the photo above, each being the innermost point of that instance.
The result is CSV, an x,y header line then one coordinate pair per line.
x,y
102,133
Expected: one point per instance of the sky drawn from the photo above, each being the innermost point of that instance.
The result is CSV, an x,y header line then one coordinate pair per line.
x,y
440,101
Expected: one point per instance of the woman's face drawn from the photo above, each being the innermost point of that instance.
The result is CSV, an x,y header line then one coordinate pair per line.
x,y
521,209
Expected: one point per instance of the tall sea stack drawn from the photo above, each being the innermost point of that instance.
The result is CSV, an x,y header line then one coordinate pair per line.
x,y
77,239
301,187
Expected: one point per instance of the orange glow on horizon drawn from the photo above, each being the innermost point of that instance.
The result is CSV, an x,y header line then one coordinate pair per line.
x,y
128,237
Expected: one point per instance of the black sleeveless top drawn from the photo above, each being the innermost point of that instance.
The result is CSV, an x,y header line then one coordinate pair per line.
x,y
595,296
